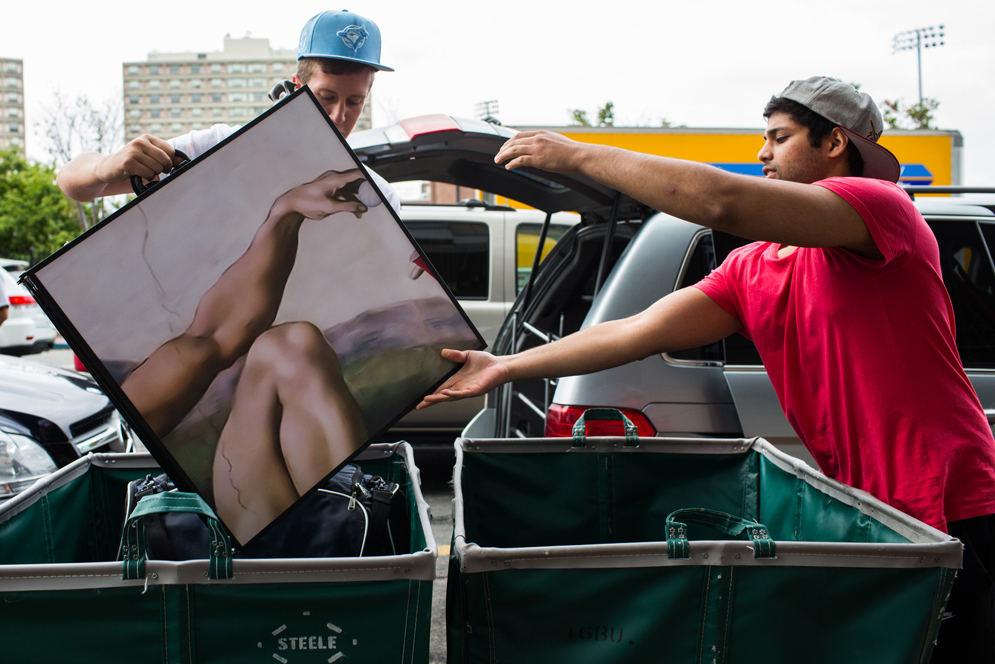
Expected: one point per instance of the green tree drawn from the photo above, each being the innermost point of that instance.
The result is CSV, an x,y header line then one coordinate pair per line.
x,y
899,115
35,217
606,115
579,118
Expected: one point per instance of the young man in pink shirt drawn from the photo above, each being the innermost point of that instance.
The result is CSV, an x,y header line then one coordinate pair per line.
x,y
842,260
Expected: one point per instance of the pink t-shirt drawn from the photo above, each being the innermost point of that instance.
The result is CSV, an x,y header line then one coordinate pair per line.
x,y
863,358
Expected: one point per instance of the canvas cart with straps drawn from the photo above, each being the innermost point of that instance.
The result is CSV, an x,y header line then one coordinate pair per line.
x,y
682,550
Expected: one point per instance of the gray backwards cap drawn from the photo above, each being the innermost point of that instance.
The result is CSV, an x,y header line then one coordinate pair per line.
x,y
856,113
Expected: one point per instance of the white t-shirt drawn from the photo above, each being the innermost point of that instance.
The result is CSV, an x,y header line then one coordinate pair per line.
x,y
200,141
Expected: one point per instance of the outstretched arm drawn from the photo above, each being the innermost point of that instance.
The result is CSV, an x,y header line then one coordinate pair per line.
x,y
236,310
757,209
684,319
92,175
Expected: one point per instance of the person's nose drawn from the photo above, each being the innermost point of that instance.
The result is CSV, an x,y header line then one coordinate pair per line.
x,y
337,113
765,153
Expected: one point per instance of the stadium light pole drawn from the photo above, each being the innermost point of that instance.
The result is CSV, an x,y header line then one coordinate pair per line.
x,y
918,39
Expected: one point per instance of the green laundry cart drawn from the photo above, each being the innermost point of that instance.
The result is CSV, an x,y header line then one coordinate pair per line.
x,y
682,551
64,598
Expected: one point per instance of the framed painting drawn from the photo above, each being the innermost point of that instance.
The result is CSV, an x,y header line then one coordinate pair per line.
x,y
258,317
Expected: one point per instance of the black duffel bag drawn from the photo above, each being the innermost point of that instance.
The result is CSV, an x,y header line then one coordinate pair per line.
x,y
350,514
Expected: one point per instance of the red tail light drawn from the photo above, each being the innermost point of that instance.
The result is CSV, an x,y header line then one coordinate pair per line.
x,y
76,363
21,300
560,421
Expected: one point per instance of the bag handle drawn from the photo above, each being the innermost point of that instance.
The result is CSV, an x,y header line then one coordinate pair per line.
x,y
677,542
604,415
133,538
140,188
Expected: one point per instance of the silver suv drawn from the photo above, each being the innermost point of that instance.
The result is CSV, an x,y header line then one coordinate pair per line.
x,y
721,389
482,251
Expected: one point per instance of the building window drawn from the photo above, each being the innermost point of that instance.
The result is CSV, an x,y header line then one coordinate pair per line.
x,y
236,96
153,69
12,98
277,66
174,69
154,113
194,69
15,141
236,68
134,129
175,112
257,82
215,97
256,67
12,67
198,126
195,97
174,83
132,69
174,99
215,82
236,110
155,128
236,82
215,69
133,99
14,127
217,111
259,110
197,112
176,126
154,84
132,84
134,113
194,82
13,82
153,99
12,112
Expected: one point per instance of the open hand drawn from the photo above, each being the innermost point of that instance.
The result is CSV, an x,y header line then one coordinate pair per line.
x,y
326,195
481,373
543,150
146,156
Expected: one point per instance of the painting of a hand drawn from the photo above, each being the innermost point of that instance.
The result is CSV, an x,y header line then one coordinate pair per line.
x,y
329,193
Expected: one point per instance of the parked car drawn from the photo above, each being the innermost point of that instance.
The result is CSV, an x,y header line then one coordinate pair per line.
x,y
27,328
48,418
482,251
717,390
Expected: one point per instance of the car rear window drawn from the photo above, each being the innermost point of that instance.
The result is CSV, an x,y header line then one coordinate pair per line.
x,y
460,253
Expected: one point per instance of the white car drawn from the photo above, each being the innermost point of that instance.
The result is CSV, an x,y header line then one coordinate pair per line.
x,y
27,328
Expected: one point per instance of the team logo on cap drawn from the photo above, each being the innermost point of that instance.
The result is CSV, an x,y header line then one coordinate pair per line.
x,y
353,36
871,134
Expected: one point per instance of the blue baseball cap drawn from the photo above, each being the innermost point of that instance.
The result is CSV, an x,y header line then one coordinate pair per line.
x,y
341,35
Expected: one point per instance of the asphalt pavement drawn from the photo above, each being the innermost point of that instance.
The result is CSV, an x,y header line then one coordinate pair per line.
x,y
436,471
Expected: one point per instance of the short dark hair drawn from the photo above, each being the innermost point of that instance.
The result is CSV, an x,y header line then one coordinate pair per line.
x,y
818,128
306,67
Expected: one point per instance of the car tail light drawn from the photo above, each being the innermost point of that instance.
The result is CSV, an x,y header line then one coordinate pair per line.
x,y
560,421
76,363
21,300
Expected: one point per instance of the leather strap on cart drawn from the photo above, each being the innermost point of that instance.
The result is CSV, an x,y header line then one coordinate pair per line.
x,y
677,539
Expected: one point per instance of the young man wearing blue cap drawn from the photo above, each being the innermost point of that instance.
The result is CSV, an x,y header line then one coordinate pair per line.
x,y
842,287
337,57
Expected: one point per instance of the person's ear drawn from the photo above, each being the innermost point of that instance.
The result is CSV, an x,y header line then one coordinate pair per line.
x,y
838,140
296,81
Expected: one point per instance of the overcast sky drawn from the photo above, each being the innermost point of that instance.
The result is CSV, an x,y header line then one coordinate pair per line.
x,y
709,64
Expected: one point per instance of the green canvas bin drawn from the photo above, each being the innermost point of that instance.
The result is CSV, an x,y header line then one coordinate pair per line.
x,y
63,598
561,555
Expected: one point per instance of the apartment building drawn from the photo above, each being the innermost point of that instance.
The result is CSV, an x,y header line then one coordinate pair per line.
x,y
13,129
174,93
